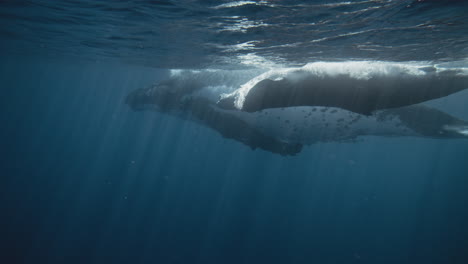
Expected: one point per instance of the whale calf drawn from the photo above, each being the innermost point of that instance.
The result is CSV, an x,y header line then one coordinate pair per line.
x,y
205,112
285,130
360,87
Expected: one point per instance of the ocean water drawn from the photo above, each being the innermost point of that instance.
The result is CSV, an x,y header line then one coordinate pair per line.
x,y
85,179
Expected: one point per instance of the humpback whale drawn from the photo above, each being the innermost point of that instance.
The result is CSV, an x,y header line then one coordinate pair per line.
x,y
360,87
204,111
286,130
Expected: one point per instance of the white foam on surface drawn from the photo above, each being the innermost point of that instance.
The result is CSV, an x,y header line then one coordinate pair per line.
x,y
240,3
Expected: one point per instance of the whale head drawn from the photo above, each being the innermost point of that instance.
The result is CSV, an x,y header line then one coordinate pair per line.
x,y
138,100
159,97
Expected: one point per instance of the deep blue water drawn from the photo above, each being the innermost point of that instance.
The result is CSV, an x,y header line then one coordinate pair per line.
x,y
84,179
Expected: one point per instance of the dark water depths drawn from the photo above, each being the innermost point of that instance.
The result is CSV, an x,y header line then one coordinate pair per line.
x,y
83,179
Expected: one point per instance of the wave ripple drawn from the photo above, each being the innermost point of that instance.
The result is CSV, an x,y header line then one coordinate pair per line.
x,y
189,34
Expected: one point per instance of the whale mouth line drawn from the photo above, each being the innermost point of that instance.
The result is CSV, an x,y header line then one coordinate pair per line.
x,y
462,130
